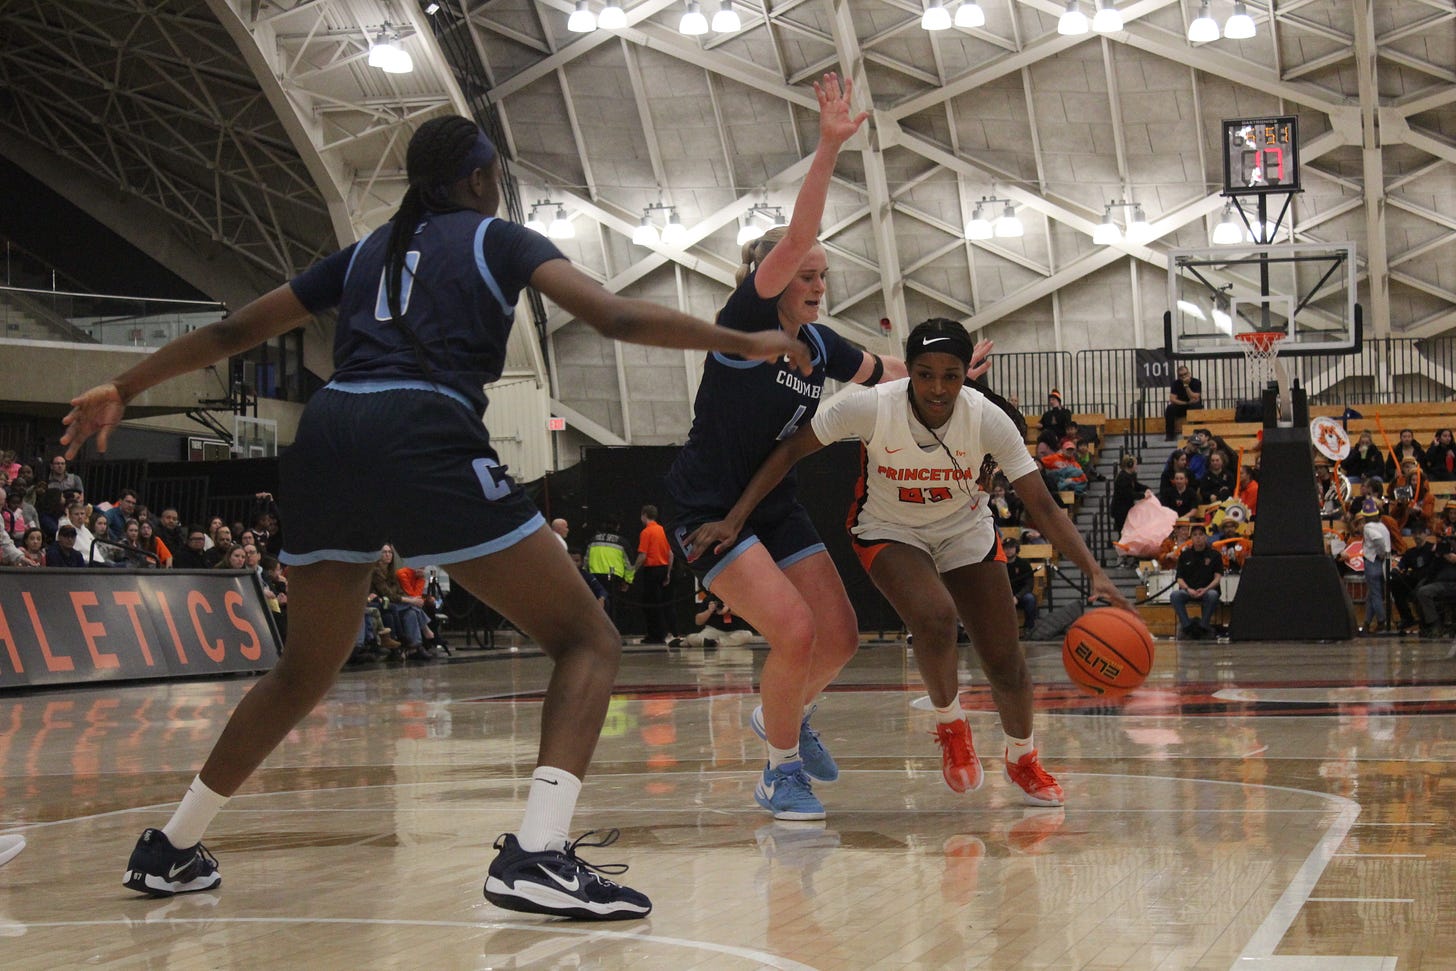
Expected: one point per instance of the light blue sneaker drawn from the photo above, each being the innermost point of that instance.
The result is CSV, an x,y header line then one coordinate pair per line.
x,y
787,793
819,765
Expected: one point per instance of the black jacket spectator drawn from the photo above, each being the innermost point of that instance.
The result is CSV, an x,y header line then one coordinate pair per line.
x,y
1364,459
1184,501
1127,489
1440,463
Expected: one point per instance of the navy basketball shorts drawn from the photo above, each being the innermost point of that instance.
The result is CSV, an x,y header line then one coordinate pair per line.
x,y
400,463
786,533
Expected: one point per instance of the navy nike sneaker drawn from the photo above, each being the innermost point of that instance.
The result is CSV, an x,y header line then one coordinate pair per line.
x,y
159,869
560,883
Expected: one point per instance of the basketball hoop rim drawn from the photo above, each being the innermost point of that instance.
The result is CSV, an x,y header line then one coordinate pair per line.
x,y
1262,340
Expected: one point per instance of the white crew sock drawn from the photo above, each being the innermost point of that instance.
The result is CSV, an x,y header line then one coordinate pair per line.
x,y
1017,747
778,756
549,809
951,712
194,814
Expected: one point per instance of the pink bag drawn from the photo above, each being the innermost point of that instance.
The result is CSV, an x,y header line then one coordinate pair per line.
x,y
1148,524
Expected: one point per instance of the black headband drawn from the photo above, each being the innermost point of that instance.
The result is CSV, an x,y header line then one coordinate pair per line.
x,y
928,342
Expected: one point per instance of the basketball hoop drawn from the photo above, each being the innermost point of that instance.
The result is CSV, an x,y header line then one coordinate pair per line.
x,y
1261,350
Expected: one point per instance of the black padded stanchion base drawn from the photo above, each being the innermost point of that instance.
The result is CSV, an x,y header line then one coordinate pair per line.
x,y
1297,597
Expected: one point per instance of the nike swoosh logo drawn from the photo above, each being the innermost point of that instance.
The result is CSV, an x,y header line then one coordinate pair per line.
x,y
892,451
573,886
768,790
175,871
549,782
932,340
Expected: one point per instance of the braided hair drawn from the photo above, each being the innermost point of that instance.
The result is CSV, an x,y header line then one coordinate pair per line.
x,y
435,155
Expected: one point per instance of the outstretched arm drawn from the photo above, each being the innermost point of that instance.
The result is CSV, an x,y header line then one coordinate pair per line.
x,y
645,322
1056,526
99,410
719,536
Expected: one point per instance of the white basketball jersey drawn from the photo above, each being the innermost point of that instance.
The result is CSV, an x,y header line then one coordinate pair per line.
x,y
905,484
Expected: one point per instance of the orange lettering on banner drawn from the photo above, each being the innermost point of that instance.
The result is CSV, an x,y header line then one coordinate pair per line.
x,y
92,631
53,663
254,648
195,599
171,627
131,600
10,647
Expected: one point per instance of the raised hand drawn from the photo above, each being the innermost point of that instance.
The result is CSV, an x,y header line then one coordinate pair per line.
x,y
95,412
980,359
770,345
836,123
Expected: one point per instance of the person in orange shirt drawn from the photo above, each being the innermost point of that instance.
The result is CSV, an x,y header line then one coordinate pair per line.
x,y
654,573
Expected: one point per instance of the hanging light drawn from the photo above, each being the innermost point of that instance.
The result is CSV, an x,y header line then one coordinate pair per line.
x,y
674,233
1223,321
1073,22
693,22
748,232
582,20
936,17
1009,225
1138,229
1106,232
979,227
970,14
645,234
1204,28
1240,26
1230,228
726,21
1108,19
534,221
386,53
613,17
1192,309
561,227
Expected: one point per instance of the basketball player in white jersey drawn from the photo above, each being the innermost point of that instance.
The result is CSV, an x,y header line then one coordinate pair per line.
x,y
923,531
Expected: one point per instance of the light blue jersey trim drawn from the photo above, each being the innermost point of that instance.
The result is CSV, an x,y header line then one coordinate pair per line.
x,y
733,554
382,384
803,554
818,341
355,255
485,274
722,359
532,525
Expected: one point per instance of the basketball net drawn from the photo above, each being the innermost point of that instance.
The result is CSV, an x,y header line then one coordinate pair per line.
x,y
1261,355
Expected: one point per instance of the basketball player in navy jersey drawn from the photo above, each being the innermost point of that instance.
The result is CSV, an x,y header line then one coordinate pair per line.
x,y
425,306
924,532
778,576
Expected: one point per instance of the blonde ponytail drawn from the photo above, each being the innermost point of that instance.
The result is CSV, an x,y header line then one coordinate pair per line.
x,y
755,250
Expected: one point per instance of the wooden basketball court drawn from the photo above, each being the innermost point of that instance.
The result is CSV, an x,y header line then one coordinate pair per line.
x,y
1282,806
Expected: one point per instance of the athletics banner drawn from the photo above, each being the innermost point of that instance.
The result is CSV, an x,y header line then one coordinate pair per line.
x,y
60,627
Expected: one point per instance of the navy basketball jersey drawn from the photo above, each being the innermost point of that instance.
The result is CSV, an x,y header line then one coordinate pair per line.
x,y
463,273
744,408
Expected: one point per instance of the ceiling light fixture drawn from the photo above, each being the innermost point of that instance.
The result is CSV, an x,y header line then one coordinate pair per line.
x,y
1230,228
1108,19
582,20
613,17
1239,26
386,53
646,234
969,14
693,22
1073,21
560,226
936,17
726,21
1203,29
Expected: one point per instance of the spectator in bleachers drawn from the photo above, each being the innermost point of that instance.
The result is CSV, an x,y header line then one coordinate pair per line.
x,y
133,553
193,554
1217,483
416,587
1066,472
1370,498
170,529
266,523
1177,462
1412,501
221,535
1439,590
76,518
216,556
1198,447
63,551
1375,540
1408,573
1180,496
1440,461
1184,393
1006,506
1446,525
1023,583
1406,447
32,548
1237,545
233,558
1087,459
275,588
121,510
105,549
1198,574
404,614
1054,420
51,507
1365,459
1127,489
148,540
9,552
12,515
1331,496
1249,490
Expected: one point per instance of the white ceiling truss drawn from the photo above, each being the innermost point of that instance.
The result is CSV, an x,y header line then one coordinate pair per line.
x,y
259,123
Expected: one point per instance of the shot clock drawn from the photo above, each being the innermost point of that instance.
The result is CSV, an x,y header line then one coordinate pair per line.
x,y
1260,155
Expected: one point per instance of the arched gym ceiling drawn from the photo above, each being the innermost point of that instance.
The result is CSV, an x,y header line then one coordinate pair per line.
x,y
240,139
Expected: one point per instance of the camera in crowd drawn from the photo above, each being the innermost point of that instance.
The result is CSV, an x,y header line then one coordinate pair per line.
x,y
1403,493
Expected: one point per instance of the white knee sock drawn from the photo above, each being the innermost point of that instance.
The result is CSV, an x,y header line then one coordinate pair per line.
x,y
549,809
194,814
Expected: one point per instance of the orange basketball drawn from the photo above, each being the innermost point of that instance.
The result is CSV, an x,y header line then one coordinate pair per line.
x,y
1108,651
